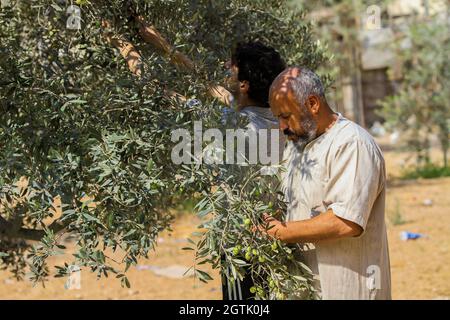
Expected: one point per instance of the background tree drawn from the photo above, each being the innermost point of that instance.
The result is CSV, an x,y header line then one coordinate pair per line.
x,y
339,25
87,116
420,108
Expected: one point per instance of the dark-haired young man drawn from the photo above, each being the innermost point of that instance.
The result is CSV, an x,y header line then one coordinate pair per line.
x,y
252,69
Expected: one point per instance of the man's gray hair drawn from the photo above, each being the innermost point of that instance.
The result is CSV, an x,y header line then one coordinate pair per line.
x,y
307,83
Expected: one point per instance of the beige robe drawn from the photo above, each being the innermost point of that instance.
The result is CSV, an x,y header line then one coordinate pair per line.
x,y
343,170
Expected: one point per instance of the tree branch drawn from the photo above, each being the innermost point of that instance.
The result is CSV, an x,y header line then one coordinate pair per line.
x,y
126,48
7,230
150,35
132,56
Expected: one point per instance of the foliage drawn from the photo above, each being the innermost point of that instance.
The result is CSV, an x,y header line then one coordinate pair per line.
x,y
80,126
428,171
239,197
340,24
420,107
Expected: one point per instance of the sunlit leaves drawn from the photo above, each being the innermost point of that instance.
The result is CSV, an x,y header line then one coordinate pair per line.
x,y
83,129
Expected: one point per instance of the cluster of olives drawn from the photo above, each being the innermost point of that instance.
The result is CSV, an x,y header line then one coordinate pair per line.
x,y
259,255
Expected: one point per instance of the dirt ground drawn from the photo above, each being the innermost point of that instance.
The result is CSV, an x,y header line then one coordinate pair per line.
x,y
420,268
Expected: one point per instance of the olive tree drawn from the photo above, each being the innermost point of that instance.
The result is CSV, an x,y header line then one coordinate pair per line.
x,y
90,93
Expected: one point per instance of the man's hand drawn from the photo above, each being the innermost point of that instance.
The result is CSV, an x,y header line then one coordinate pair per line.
x,y
325,226
272,227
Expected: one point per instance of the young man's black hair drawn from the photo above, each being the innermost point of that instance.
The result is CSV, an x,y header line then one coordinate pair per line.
x,y
259,65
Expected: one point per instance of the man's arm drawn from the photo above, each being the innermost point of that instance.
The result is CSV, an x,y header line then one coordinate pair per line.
x,y
326,226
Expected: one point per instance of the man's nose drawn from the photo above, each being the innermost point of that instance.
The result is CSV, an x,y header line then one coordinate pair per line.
x,y
283,124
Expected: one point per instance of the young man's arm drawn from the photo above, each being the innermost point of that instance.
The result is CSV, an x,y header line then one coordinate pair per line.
x,y
326,226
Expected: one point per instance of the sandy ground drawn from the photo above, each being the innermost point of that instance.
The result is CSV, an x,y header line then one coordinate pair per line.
x,y
420,268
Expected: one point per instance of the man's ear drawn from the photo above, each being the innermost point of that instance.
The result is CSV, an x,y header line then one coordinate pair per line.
x,y
244,86
314,104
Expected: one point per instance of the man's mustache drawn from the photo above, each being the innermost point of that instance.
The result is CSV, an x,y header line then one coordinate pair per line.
x,y
288,132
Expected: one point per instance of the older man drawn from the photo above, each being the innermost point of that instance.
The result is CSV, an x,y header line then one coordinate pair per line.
x,y
335,187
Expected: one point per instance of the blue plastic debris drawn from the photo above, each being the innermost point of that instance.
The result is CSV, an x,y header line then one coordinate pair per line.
x,y
405,235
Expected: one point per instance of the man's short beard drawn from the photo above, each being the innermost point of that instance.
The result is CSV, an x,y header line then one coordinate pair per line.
x,y
309,127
